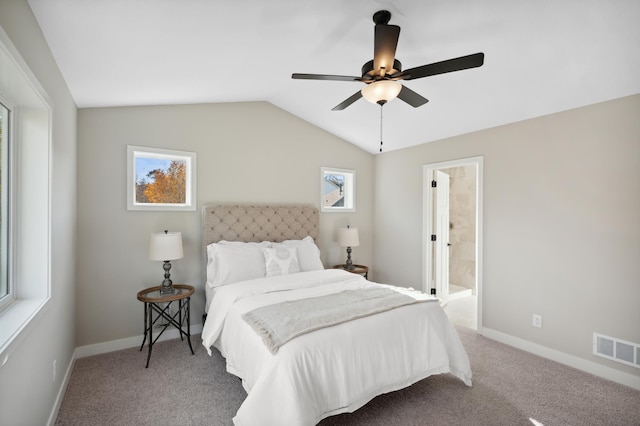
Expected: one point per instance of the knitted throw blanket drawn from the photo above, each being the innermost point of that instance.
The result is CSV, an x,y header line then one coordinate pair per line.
x,y
278,323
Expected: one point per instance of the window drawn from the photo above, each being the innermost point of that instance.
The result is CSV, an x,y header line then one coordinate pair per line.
x,y
6,295
337,190
25,210
160,179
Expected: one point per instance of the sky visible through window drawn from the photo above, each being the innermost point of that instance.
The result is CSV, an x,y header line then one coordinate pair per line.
x,y
144,165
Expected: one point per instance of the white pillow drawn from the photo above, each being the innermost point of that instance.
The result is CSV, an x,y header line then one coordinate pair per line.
x,y
281,261
308,253
230,262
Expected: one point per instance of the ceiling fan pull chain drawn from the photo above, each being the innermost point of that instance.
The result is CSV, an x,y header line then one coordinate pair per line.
x,y
381,105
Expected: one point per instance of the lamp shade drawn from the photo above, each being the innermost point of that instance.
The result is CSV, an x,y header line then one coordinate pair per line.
x,y
166,246
348,237
381,91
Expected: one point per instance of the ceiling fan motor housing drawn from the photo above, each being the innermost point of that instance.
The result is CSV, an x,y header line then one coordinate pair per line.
x,y
369,72
382,17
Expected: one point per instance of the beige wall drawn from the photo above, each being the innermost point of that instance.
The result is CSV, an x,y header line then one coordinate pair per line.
x,y
246,152
27,390
561,230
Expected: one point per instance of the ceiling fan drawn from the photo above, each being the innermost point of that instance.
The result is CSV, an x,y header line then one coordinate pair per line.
x,y
381,74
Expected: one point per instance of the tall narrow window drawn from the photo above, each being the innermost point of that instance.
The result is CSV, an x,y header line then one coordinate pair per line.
x,y
25,201
5,289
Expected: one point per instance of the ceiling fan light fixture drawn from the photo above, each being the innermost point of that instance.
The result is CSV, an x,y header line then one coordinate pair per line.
x,y
381,91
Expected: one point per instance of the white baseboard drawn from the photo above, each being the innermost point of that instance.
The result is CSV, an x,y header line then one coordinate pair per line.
x,y
129,342
563,358
63,389
106,347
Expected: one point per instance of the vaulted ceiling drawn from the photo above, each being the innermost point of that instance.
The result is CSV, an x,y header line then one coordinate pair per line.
x,y
541,57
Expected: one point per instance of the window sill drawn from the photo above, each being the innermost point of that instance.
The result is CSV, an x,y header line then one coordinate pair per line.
x,y
15,323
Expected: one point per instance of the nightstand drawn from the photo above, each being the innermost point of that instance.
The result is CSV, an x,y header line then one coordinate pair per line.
x,y
357,269
159,303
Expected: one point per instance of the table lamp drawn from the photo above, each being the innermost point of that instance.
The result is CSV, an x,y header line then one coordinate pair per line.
x,y
166,247
348,237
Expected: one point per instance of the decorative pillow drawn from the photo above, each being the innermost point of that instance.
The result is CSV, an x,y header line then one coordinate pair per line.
x,y
308,253
230,262
281,261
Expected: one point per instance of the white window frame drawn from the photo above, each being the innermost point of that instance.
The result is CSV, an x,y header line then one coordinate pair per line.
x,y
8,189
349,177
30,226
189,158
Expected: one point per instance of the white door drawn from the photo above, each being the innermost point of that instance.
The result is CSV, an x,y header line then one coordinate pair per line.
x,y
441,212
431,267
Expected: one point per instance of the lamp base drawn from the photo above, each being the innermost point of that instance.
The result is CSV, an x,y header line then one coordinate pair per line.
x,y
167,284
168,290
349,265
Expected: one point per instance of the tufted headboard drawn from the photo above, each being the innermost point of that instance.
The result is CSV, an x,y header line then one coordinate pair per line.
x,y
255,223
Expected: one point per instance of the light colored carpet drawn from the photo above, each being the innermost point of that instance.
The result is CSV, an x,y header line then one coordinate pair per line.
x,y
509,388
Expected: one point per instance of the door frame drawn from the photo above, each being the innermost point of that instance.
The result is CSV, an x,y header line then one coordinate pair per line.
x,y
428,223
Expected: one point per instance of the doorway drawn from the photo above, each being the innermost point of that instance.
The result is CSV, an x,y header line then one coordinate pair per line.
x,y
452,240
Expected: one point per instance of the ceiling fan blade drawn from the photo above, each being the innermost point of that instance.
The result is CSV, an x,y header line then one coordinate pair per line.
x,y
384,48
411,97
347,101
450,65
299,76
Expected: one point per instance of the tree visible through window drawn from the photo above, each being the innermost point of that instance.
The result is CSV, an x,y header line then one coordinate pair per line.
x,y
163,185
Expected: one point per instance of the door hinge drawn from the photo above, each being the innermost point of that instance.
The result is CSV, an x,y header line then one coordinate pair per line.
x,y
434,184
433,237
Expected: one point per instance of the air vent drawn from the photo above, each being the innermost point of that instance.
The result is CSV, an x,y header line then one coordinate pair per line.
x,y
616,350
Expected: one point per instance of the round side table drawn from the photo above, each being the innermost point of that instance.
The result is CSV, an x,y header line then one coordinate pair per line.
x,y
154,301
357,269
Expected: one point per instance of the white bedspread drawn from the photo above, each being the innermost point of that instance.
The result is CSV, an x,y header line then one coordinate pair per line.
x,y
333,370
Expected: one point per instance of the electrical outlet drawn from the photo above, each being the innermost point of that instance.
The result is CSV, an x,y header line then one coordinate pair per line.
x,y
54,370
537,321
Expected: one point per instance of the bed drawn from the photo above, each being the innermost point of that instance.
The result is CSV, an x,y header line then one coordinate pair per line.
x,y
306,342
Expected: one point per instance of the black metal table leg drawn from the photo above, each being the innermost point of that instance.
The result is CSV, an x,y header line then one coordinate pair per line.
x,y
188,315
150,335
146,326
180,317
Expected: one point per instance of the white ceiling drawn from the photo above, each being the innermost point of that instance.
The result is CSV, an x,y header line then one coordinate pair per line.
x,y
541,57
